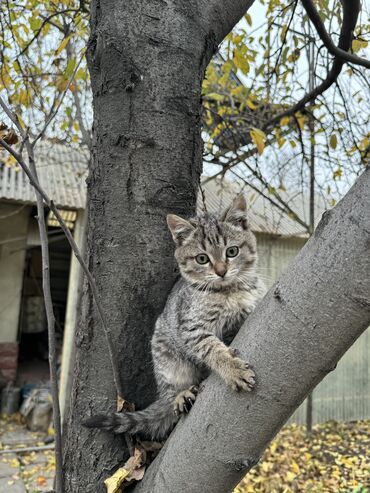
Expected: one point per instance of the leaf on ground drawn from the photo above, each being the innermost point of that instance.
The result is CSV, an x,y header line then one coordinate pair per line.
x,y
333,459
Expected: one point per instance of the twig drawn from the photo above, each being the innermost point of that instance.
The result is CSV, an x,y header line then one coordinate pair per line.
x,y
45,21
55,111
203,194
27,449
350,15
51,326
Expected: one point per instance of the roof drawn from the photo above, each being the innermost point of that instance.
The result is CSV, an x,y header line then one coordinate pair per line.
x,y
61,170
264,216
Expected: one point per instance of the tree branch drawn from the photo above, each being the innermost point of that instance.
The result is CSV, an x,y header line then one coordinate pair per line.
x,y
350,14
51,326
336,51
306,322
222,15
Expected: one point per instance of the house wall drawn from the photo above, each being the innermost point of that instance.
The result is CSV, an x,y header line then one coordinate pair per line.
x,y
344,394
13,231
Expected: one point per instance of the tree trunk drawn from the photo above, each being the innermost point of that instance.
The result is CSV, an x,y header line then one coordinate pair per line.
x,y
306,322
147,62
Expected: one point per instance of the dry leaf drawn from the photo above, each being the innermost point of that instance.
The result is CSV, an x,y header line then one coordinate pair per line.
x,y
123,405
41,481
131,471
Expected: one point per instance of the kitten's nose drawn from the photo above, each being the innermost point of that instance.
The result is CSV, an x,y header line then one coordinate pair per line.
x,y
220,268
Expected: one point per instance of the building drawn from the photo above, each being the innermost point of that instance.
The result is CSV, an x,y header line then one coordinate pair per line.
x,y
343,395
23,334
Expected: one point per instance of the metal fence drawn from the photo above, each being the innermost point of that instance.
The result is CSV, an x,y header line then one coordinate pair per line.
x,y
344,394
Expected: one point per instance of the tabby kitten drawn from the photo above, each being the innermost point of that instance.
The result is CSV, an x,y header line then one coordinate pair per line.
x,y
217,290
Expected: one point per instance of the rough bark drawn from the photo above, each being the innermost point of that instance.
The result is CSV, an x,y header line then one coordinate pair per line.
x,y
313,314
146,61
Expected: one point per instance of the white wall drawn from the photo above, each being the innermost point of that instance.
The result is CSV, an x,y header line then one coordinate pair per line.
x,y
13,231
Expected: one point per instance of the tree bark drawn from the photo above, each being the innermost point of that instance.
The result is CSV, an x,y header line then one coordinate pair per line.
x,y
147,62
306,322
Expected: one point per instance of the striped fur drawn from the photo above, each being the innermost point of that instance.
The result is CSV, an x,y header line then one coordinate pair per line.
x,y
203,313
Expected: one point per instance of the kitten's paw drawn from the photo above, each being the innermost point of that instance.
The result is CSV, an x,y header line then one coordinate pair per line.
x,y
233,351
240,377
184,400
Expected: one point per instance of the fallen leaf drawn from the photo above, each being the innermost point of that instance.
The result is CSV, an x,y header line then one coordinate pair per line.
x,y
131,471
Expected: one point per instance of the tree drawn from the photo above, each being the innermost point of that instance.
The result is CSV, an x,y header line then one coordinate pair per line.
x,y
147,157
146,71
147,62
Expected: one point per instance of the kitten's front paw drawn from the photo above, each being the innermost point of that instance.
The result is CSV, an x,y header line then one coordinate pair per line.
x,y
184,400
240,376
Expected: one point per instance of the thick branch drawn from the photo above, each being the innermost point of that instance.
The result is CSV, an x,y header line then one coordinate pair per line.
x,y
222,15
306,322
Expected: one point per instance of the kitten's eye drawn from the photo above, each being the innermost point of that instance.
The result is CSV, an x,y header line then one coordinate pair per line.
x,y
232,251
202,259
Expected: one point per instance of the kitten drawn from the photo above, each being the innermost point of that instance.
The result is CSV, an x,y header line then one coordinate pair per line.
x,y
217,290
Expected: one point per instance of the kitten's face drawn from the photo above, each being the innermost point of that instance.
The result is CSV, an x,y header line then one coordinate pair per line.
x,y
214,251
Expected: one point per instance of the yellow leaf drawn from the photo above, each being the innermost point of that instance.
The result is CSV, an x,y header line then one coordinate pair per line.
x,y
337,173
295,467
284,121
258,138
215,96
248,18
132,470
62,45
251,105
357,44
290,476
301,121
333,141
241,62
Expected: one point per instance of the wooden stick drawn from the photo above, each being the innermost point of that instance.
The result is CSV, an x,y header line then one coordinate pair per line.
x,y
36,448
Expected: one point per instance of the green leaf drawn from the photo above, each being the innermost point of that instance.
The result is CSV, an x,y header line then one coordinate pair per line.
x,y
70,67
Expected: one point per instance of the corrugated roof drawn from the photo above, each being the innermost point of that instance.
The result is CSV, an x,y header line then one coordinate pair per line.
x,y
264,216
61,170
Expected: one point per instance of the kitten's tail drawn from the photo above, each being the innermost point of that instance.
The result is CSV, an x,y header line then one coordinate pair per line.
x,y
154,422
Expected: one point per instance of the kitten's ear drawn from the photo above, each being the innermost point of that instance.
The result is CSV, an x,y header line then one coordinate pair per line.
x,y
180,228
236,214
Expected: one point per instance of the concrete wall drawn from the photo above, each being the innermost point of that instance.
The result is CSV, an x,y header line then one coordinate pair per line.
x,y
13,232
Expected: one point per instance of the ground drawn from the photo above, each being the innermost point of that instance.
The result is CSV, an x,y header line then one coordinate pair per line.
x,y
334,459
26,472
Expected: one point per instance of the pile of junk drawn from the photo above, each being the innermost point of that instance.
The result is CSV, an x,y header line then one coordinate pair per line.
x,y
32,401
